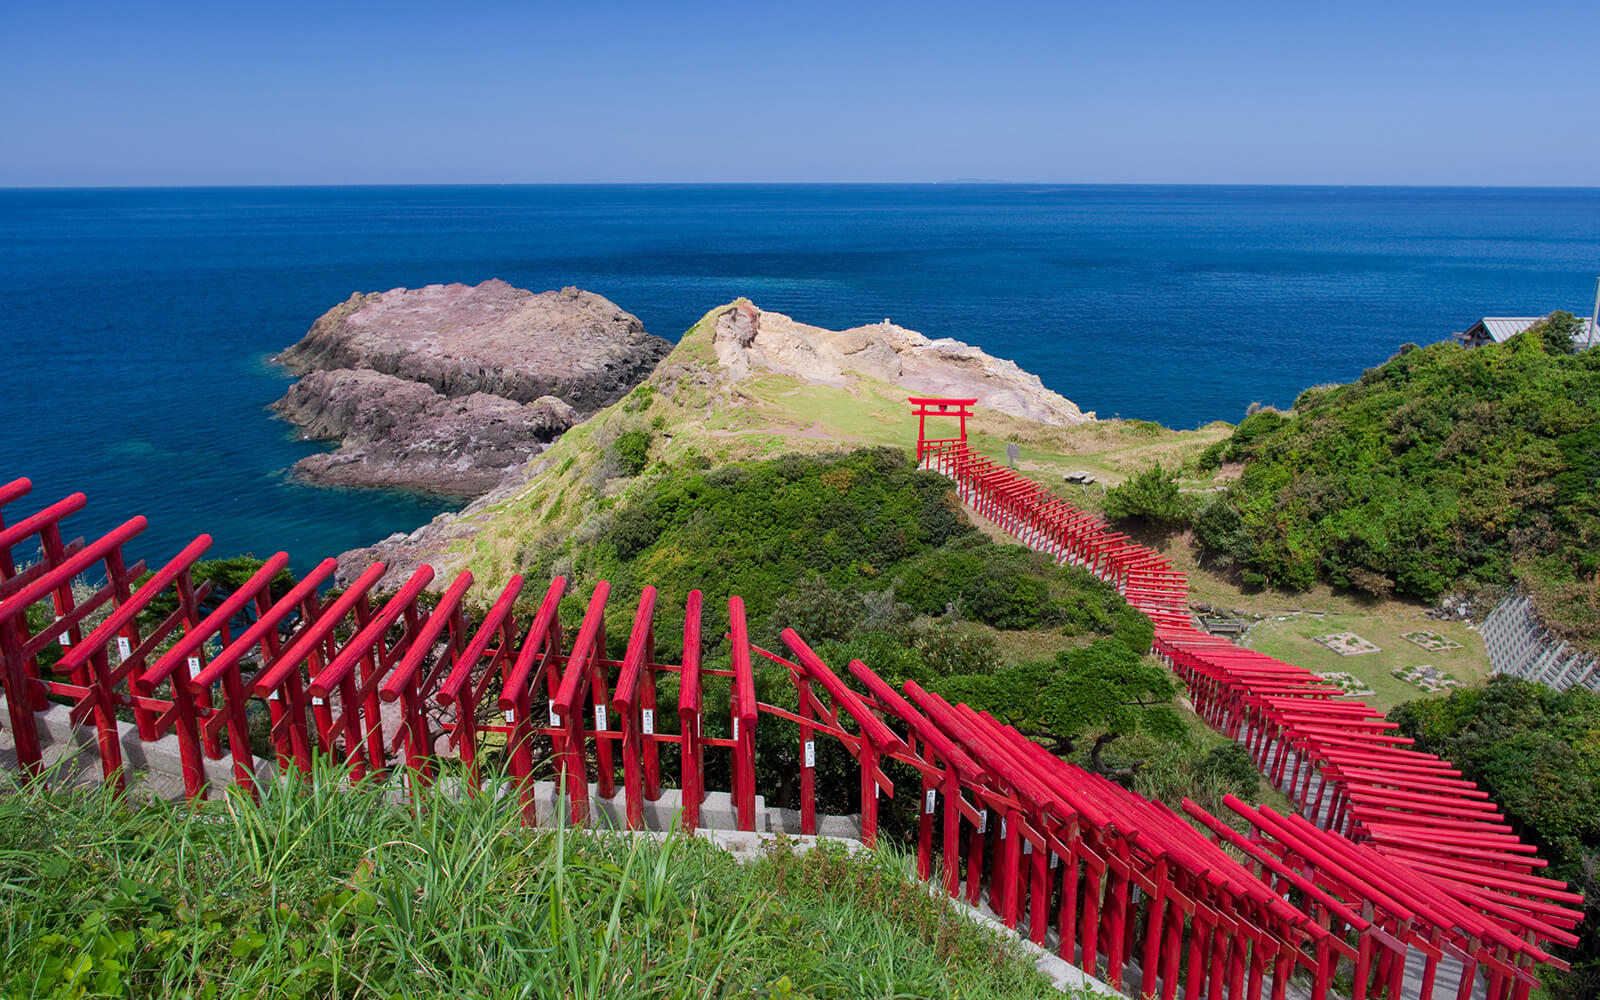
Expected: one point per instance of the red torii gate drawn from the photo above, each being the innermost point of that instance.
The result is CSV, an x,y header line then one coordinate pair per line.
x,y
961,409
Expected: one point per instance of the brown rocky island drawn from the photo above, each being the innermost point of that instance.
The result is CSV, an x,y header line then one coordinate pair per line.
x,y
448,388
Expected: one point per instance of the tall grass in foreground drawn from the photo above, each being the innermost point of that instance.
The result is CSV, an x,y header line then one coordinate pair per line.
x,y
323,890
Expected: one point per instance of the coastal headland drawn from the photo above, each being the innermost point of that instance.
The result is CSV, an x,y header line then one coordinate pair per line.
x,y
741,383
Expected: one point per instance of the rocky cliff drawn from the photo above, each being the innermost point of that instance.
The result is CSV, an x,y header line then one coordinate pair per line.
x,y
398,433
447,387
749,340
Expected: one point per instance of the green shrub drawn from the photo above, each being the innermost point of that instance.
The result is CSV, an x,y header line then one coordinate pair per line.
x,y
1105,687
1558,331
1151,496
631,450
1231,766
1203,767
950,647
817,611
640,399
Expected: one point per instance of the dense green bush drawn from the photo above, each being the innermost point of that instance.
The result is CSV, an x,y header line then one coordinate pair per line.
x,y
817,611
1151,496
830,536
631,450
1105,687
1442,468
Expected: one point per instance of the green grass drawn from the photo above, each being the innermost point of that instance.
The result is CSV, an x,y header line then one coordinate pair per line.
x,y
1291,639
323,890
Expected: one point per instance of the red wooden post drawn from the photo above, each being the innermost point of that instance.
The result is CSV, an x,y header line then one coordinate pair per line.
x,y
600,698
19,708
1091,918
692,753
628,699
569,705
1039,894
1010,846
744,716
808,758
950,839
975,847
1282,964
117,578
926,808
1067,909
189,606
286,735
1171,949
1116,915
62,599
1216,970
109,739
355,753
650,722
1194,973
1155,913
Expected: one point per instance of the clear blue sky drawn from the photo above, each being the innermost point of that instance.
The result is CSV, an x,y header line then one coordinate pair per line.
x,y
1284,92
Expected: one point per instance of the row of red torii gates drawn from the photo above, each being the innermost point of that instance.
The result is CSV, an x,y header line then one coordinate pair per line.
x,y
1110,880
1420,848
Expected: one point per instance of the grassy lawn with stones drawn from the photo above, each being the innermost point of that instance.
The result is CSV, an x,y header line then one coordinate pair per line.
x,y
1291,636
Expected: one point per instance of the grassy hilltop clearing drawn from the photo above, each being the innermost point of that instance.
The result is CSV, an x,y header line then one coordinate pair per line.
x,y
690,415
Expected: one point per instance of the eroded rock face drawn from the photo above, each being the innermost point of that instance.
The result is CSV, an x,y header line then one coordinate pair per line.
x,y
750,339
447,388
399,433
493,338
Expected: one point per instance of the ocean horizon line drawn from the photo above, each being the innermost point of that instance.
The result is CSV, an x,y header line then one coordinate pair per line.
x,y
1066,185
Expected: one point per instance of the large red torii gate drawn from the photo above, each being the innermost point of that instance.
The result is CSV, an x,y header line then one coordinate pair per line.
x,y
923,408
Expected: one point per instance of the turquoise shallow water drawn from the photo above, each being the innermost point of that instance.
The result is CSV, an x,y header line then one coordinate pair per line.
x,y
135,323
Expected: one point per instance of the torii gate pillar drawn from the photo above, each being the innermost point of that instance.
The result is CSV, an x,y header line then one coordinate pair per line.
x,y
925,408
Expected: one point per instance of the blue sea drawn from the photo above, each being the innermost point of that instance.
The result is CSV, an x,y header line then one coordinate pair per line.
x,y
136,323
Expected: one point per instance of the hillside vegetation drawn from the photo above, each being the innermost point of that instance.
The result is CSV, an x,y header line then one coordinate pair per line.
x,y
1443,468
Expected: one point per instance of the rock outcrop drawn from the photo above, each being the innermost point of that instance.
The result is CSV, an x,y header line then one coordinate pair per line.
x,y
446,388
494,338
748,339
399,433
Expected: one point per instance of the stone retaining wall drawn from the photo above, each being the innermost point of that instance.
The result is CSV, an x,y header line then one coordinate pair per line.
x,y
1520,645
